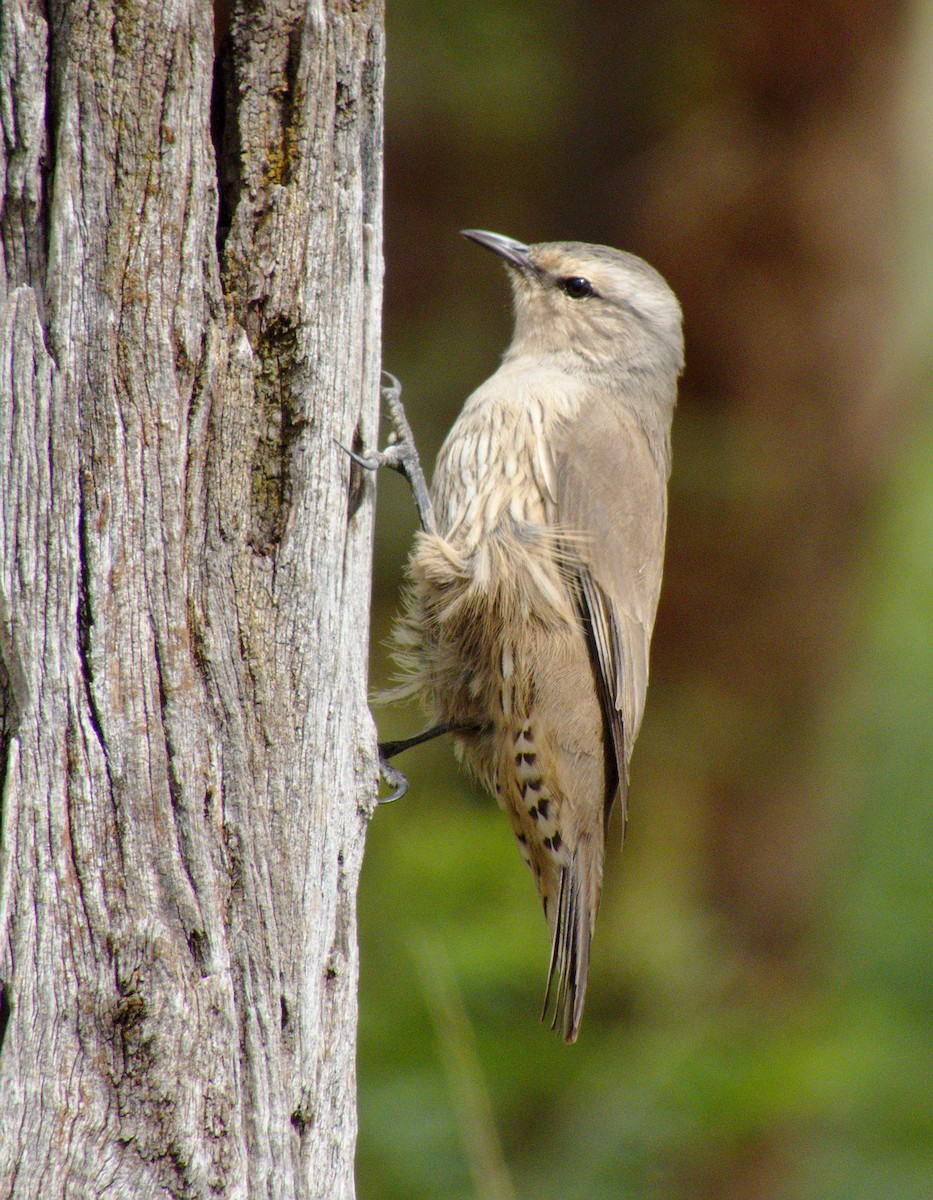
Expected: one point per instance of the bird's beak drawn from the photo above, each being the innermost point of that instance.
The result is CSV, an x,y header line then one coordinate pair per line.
x,y
514,253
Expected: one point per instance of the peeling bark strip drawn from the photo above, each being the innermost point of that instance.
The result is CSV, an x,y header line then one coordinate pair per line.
x,y
189,297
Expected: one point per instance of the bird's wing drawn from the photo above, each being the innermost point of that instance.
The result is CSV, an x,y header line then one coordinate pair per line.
x,y
612,499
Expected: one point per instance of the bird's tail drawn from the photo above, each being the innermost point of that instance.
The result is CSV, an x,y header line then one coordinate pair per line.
x,y
570,952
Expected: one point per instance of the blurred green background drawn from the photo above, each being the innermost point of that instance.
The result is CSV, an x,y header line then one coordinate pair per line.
x,y
760,1012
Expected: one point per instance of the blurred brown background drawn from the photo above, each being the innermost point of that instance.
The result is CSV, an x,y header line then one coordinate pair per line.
x,y
759,1014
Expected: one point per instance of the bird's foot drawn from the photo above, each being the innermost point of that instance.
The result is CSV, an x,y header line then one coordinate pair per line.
x,y
388,750
401,454
393,777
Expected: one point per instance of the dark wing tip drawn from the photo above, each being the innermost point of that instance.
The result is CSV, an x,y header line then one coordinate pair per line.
x,y
570,957
606,653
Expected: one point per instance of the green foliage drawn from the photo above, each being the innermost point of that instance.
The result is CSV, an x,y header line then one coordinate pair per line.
x,y
462,62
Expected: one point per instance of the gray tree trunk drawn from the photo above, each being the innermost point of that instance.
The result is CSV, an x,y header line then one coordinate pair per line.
x,y
186,753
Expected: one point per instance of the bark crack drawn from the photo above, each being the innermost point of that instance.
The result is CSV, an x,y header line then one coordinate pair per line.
x,y
194,936
13,694
280,424
224,133
6,1009
85,620
356,489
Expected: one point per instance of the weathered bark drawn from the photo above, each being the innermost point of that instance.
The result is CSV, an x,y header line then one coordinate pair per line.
x,y
186,753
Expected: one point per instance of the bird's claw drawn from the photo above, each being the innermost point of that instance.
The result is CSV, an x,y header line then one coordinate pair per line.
x,y
369,462
390,457
393,777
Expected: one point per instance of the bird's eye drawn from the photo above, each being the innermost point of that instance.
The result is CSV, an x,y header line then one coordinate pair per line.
x,y
576,287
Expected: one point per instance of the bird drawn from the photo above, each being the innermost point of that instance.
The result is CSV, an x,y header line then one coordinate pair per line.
x,y
532,587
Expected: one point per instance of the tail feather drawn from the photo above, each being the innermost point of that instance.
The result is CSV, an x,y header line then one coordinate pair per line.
x,y
570,956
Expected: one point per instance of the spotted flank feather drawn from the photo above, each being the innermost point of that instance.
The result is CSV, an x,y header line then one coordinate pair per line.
x,y
567,881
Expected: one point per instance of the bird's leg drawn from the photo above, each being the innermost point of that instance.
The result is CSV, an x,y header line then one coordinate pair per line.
x,y
387,750
401,454
390,749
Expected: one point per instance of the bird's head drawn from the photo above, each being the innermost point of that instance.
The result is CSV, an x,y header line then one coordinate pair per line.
x,y
590,308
